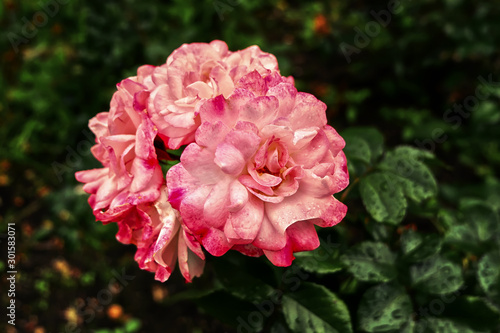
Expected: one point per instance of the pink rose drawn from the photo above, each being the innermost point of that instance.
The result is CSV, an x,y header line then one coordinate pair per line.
x,y
164,241
262,171
130,188
195,72
125,135
161,240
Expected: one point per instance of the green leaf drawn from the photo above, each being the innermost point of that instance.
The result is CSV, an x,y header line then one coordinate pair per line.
x,y
441,325
166,165
371,261
417,247
383,197
384,307
488,275
363,143
241,284
479,222
133,325
324,260
380,232
234,311
437,275
357,149
176,152
415,177
476,312
409,327
313,308
190,294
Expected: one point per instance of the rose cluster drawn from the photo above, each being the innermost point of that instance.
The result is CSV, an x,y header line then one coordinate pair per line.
x,y
257,175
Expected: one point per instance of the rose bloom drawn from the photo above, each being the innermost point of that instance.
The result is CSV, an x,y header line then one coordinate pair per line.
x,y
164,241
262,171
128,188
131,173
194,72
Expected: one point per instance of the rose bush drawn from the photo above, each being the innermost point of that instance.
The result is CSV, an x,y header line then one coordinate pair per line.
x,y
262,171
258,173
127,190
195,72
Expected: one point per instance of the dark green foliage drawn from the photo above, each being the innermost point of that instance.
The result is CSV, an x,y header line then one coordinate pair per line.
x,y
384,307
313,308
370,261
417,101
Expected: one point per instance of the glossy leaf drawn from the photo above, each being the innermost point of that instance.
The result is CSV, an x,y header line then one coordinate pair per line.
x,y
436,275
383,197
417,247
488,275
383,308
313,308
371,261
415,177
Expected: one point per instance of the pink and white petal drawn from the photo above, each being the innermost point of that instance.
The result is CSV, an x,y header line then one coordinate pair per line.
x,y
302,236
162,273
145,75
251,184
106,193
282,257
160,98
318,181
252,81
179,122
215,207
215,242
151,191
217,109
261,110
326,178
308,112
279,129
314,152
277,157
300,207
222,81
247,221
245,138
220,47
190,263
270,236
192,243
199,162
248,250
180,183
99,124
167,256
290,183
285,93
264,179
200,89
141,101
210,134
303,136
191,210
238,196
229,159
119,144
93,179
275,199
169,229
341,174
337,143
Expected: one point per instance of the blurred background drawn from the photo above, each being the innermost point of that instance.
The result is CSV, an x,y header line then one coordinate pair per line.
x,y
412,73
